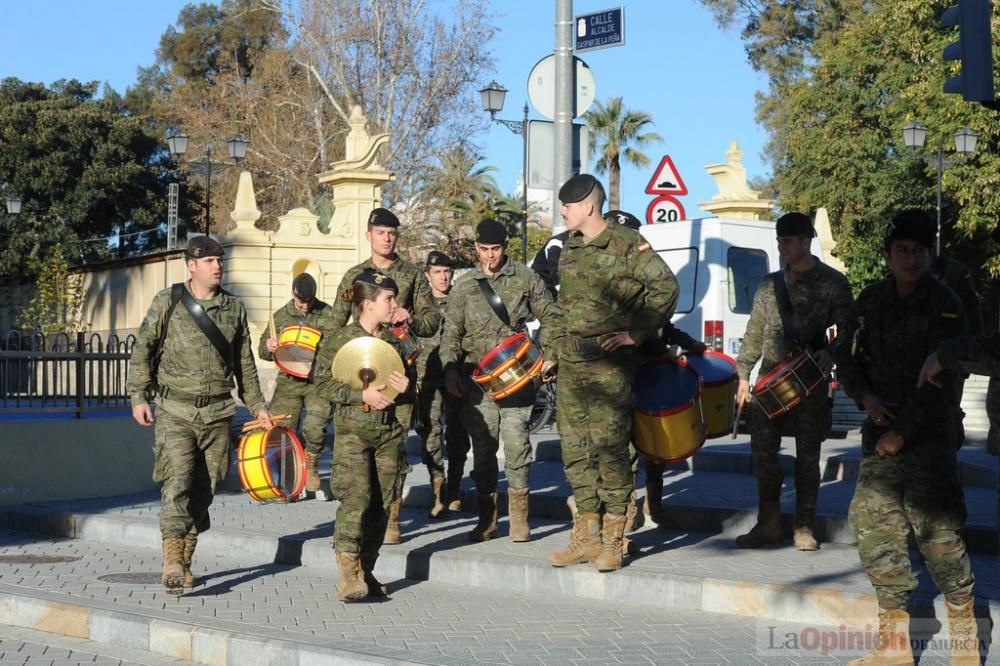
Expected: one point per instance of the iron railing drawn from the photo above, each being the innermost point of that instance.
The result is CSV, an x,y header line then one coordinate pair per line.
x,y
64,373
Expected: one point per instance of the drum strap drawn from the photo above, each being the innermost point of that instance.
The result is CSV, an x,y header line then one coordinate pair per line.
x,y
210,330
785,308
494,300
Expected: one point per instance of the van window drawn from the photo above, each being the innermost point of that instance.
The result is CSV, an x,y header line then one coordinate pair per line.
x,y
747,267
683,262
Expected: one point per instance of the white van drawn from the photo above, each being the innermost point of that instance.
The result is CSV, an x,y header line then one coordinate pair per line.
x,y
719,263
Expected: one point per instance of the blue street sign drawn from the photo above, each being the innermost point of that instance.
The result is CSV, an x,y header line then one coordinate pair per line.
x,y
600,30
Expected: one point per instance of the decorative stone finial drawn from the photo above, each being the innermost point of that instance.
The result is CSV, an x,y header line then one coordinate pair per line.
x,y
246,211
735,198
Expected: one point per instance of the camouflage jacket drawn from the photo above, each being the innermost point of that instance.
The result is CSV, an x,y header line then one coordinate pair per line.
x,y
472,329
976,354
189,362
820,296
957,277
430,371
896,336
616,282
338,392
414,295
320,316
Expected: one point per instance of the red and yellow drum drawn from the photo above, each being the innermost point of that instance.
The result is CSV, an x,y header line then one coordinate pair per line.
x,y
272,464
719,381
509,367
667,425
297,350
783,388
409,347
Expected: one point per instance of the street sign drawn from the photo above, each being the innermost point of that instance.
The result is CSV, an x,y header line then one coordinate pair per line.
x,y
665,209
666,179
600,30
542,87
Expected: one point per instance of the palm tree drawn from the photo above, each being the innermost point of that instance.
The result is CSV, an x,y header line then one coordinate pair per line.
x,y
617,134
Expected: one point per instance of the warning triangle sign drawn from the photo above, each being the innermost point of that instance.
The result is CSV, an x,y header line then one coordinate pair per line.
x,y
666,179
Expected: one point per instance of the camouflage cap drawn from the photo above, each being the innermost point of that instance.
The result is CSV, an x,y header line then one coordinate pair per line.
x,y
382,217
200,247
377,279
625,219
794,224
304,287
438,258
491,232
577,188
913,225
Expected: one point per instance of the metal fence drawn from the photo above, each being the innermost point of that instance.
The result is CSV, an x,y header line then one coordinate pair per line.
x,y
64,373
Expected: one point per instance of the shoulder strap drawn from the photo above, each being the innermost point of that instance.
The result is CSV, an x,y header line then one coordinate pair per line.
x,y
175,295
494,300
210,330
785,307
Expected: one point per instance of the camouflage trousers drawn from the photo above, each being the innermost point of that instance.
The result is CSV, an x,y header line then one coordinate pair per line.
x,y
290,396
364,477
594,402
190,459
919,489
433,403
488,423
810,421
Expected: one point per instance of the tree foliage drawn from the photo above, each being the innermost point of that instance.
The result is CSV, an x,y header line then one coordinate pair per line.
x,y
618,134
58,304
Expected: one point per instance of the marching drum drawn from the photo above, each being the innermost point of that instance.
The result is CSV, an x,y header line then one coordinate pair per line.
x,y
509,367
272,464
297,350
784,387
719,381
409,347
667,425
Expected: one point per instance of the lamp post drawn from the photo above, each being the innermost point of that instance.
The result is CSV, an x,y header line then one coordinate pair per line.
x,y
177,141
914,136
492,97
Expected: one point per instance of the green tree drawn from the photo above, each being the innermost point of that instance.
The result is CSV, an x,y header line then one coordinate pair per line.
x,y
58,304
618,134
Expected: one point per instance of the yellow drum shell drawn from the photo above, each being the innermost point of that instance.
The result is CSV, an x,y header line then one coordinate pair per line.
x,y
509,367
720,380
271,464
297,350
667,426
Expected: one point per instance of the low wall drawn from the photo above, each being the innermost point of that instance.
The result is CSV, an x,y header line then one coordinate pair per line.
x,y
50,459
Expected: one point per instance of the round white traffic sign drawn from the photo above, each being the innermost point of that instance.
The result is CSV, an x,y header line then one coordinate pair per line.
x,y
542,87
665,209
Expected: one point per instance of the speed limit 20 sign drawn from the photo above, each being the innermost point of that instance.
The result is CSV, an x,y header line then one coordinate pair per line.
x,y
664,209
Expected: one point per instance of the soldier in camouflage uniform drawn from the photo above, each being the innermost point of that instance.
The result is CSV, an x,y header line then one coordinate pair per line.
x,y
366,459
291,394
416,309
615,293
471,330
820,297
433,402
908,477
193,385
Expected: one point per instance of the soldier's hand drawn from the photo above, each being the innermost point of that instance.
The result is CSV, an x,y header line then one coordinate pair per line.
x,y
272,344
698,348
877,410
613,341
374,398
889,444
824,360
143,414
402,316
928,374
548,371
452,382
264,418
743,393
399,381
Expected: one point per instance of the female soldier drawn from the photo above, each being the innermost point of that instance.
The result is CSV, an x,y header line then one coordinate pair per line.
x,y
369,442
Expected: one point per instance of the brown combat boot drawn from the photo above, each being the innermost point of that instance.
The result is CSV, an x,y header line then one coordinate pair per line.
x,y
892,645
963,632
517,512
440,509
392,534
312,472
375,588
350,584
190,542
612,536
634,519
767,532
803,538
486,528
653,506
173,567
584,541
455,487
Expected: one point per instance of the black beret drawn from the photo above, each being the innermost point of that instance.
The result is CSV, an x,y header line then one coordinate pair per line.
x,y
382,217
203,246
304,287
913,225
794,224
577,188
438,258
625,219
377,279
491,232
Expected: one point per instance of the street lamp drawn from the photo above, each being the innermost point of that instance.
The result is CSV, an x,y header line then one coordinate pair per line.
x,y
177,141
914,136
13,204
492,97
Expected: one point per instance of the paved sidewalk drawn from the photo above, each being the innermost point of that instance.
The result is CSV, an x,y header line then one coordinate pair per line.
x,y
41,648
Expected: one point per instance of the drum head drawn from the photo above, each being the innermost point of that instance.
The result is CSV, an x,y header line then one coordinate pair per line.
x,y
713,367
296,361
283,462
662,387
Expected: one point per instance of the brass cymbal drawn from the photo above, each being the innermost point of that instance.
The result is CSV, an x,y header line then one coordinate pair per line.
x,y
371,357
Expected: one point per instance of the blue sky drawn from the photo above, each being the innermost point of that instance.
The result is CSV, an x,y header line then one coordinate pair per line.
x,y
676,65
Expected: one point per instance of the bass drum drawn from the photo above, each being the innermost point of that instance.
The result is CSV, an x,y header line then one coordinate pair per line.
x,y
719,381
667,425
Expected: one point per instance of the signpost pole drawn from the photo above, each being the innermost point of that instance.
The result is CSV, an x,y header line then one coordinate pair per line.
x,y
564,102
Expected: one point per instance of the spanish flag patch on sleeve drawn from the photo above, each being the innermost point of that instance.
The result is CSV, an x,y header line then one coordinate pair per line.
x,y
950,315
644,246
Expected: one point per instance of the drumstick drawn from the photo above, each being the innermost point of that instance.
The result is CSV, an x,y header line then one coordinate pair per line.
x,y
736,423
270,319
250,425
